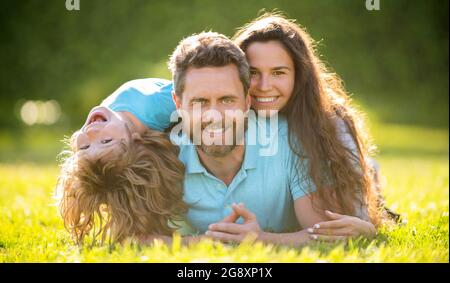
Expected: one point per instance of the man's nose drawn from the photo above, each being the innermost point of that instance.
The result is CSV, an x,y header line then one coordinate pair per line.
x,y
211,115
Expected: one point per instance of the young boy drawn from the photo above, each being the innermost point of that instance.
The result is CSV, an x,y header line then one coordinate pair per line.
x,y
121,176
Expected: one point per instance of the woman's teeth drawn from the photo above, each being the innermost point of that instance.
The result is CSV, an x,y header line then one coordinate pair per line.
x,y
266,99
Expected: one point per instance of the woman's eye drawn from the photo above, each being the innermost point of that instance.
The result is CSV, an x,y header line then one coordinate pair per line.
x,y
278,73
106,141
253,73
84,147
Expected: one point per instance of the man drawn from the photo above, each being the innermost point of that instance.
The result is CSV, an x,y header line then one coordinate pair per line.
x,y
211,73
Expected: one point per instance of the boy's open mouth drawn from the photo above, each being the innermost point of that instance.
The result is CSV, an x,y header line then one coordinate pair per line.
x,y
97,117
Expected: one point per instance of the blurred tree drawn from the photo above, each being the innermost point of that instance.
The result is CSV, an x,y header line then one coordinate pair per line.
x,y
394,60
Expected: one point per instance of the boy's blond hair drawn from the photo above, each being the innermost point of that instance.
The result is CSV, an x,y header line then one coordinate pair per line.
x,y
137,191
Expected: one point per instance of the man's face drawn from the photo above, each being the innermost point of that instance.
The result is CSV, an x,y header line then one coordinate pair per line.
x,y
215,101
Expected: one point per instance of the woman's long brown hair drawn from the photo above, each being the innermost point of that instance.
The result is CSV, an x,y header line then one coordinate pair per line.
x,y
343,179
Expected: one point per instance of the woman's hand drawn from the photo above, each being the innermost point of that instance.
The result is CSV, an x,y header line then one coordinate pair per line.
x,y
341,227
228,231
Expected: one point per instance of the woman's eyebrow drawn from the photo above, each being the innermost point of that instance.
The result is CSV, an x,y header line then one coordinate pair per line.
x,y
280,68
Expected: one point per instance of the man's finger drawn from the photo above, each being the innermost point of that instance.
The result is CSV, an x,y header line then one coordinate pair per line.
x,y
225,237
233,216
232,228
245,213
230,218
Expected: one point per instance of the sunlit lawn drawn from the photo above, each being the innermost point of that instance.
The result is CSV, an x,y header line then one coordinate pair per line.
x,y
414,162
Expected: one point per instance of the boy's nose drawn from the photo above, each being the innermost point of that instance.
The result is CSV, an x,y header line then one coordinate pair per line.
x,y
92,133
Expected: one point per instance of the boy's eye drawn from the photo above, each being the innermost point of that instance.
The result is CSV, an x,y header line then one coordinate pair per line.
x,y
106,141
84,147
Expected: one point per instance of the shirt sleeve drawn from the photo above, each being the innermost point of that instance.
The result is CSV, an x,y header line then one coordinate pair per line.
x,y
149,100
299,180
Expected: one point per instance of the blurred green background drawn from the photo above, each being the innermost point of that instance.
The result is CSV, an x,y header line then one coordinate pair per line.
x,y
57,64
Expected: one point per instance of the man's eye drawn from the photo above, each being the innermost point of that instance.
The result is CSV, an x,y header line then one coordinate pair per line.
x,y
106,141
278,73
227,100
253,73
200,102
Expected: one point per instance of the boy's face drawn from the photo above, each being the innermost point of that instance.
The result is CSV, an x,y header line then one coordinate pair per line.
x,y
102,134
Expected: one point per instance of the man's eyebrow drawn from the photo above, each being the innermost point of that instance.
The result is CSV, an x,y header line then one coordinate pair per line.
x,y
228,96
198,98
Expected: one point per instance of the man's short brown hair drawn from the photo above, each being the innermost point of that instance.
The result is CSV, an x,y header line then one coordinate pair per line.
x,y
207,49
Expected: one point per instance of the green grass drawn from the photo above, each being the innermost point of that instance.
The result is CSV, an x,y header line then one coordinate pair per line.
x,y
414,163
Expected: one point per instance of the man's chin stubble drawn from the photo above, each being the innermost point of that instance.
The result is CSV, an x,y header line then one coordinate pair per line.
x,y
217,150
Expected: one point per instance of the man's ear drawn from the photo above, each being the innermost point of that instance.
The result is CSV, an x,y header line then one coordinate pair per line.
x,y
248,100
176,100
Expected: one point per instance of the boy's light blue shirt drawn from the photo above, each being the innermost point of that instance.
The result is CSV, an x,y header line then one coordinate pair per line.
x,y
267,185
149,100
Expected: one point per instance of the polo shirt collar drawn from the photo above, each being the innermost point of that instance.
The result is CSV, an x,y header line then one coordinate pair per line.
x,y
251,154
193,165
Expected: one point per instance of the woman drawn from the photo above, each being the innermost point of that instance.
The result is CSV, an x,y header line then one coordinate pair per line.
x,y
287,75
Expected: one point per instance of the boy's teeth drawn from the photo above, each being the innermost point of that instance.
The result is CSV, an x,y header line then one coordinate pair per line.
x,y
266,99
97,119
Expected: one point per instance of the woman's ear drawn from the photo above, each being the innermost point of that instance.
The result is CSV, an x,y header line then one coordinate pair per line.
x,y
176,100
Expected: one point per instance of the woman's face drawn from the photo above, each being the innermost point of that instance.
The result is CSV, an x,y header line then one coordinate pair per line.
x,y
272,74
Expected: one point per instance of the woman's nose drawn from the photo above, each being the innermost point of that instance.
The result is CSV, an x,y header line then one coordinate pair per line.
x,y
264,83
